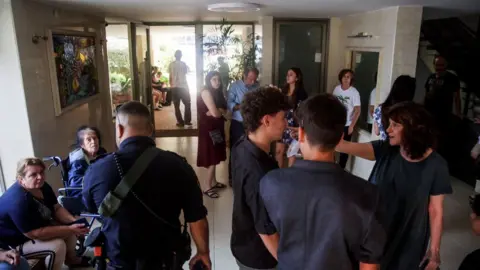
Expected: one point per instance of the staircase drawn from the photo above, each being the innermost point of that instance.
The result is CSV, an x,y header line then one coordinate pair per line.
x,y
460,45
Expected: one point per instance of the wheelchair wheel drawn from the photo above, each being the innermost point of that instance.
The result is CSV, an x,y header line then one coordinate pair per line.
x,y
101,264
80,247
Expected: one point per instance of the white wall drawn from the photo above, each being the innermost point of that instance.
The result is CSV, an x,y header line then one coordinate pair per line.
x,y
15,140
52,135
396,32
268,49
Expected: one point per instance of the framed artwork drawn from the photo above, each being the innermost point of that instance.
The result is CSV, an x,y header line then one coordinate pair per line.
x,y
73,68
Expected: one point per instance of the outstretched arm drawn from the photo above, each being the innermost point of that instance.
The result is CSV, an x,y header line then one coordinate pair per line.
x,y
363,150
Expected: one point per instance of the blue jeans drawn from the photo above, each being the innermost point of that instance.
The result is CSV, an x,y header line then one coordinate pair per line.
x,y
23,265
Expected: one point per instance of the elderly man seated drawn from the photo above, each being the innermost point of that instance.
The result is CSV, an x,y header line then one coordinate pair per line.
x,y
31,220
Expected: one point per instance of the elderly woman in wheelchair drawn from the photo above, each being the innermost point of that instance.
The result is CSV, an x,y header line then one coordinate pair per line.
x,y
31,220
87,149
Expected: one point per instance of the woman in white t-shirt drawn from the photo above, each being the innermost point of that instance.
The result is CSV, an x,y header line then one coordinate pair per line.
x,y
350,98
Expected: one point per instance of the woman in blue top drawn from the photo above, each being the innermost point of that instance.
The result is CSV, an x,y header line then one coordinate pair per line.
x,y
32,221
403,89
87,149
294,90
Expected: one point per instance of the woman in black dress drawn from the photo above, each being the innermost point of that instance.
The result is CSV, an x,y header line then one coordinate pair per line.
x,y
412,179
211,107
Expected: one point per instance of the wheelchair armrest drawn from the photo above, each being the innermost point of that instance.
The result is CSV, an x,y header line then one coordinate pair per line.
x,y
90,215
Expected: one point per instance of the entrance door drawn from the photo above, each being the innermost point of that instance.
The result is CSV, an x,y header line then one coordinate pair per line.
x,y
301,44
142,67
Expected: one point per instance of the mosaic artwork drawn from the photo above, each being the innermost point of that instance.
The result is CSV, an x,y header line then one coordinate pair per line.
x,y
75,66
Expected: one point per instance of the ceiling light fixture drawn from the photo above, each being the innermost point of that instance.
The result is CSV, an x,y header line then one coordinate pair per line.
x,y
234,7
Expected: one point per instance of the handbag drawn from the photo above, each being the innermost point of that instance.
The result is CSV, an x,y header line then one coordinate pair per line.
x,y
216,136
181,249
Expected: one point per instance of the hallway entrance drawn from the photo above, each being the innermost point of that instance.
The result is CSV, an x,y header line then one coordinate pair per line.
x,y
165,40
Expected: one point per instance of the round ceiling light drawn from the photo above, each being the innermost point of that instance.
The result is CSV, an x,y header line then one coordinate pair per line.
x,y
234,7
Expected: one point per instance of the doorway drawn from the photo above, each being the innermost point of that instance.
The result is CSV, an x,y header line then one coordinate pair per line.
x,y
165,40
301,44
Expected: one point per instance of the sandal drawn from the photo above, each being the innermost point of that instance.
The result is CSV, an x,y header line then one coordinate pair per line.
x,y
211,193
219,186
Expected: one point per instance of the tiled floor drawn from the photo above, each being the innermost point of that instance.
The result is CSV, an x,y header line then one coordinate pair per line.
x,y
457,241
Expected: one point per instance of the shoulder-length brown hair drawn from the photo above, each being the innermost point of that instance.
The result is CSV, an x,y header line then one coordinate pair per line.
x,y
419,133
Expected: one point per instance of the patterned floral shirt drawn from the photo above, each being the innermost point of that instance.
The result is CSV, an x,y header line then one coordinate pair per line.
x,y
377,117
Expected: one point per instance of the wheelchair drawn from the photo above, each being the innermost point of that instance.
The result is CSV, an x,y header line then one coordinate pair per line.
x,y
75,206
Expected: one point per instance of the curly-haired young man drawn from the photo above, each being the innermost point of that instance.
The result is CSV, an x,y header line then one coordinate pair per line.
x,y
254,239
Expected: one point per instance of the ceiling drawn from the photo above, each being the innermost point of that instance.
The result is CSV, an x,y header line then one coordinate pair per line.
x,y
186,10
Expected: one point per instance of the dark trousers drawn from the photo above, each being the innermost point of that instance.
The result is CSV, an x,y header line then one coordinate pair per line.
x,y
236,132
182,94
344,157
471,262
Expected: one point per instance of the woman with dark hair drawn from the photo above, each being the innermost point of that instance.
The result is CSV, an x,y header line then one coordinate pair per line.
x,y
403,89
350,98
412,179
211,108
295,92
86,149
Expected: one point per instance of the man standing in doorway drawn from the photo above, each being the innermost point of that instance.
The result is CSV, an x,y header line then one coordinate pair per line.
x,y
235,97
442,91
178,81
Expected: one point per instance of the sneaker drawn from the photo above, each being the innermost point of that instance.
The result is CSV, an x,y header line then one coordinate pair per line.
x,y
180,125
188,124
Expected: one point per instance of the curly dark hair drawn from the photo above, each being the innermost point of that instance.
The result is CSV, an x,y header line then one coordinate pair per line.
x,y
345,71
419,133
323,118
257,104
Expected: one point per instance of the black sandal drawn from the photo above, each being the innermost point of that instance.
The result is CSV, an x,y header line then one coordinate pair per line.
x,y
219,186
211,193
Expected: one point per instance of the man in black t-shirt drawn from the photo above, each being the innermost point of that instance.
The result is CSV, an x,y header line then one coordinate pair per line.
x,y
442,90
146,229
326,217
254,239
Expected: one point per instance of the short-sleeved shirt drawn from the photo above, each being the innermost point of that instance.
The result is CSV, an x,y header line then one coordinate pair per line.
x,y
405,189
249,165
167,186
178,71
440,91
21,213
326,217
350,98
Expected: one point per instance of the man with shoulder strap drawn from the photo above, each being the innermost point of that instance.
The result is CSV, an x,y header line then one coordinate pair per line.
x,y
140,191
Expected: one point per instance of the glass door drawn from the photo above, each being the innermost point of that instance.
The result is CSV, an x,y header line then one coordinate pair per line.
x,y
140,39
166,41
119,64
301,44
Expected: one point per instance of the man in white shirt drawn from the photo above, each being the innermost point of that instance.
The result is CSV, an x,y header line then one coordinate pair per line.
x,y
178,81
350,98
